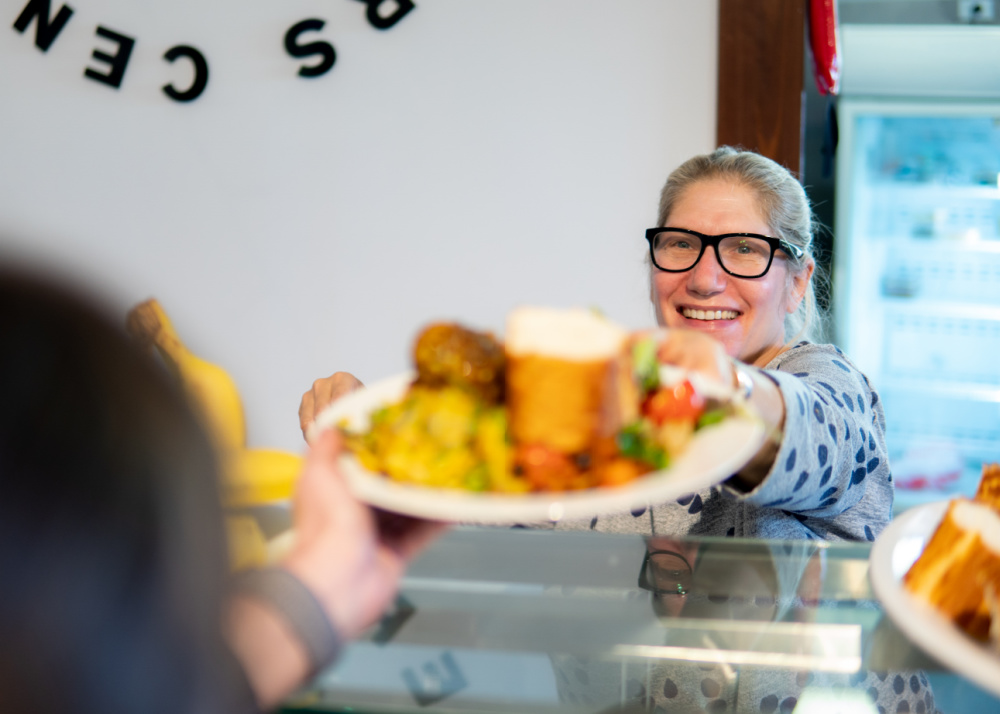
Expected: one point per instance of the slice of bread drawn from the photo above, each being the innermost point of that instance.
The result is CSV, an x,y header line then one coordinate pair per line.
x,y
961,559
572,334
566,372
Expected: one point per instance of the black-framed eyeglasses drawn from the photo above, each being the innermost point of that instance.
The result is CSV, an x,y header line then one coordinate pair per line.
x,y
665,572
742,255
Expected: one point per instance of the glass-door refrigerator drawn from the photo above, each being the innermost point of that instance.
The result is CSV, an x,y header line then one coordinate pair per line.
x,y
916,290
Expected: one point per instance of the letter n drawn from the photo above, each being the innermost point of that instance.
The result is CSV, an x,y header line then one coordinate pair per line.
x,y
46,29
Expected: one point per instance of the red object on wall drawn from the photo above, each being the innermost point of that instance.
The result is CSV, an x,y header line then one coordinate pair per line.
x,y
824,41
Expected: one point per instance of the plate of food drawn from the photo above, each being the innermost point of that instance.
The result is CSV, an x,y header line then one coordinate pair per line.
x,y
936,571
570,417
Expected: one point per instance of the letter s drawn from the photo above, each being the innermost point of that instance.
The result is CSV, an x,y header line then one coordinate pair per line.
x,y
313,48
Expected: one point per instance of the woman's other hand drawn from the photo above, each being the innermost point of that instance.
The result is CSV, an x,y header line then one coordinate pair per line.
x,y
323,393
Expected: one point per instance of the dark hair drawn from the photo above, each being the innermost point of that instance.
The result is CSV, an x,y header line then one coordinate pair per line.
x,y
112,554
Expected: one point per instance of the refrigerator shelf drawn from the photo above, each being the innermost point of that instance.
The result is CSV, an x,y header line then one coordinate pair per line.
x,y
922,190
971,391
944,314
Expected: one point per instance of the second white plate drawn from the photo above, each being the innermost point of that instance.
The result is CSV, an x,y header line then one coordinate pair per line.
x,y
895,550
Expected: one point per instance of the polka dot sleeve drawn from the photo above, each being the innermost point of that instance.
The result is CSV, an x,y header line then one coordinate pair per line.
x,y
832,460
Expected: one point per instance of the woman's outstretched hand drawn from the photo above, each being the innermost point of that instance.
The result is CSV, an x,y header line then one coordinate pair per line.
x,y
697,352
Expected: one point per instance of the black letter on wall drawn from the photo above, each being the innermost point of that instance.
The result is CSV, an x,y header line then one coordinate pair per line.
x,y
313,48
384,23
117,60
45,29
200,73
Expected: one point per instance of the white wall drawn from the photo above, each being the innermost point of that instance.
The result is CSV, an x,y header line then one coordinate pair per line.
x,y
477,155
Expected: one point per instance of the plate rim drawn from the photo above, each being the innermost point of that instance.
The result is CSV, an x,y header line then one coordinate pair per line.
x,y
924,626
476,508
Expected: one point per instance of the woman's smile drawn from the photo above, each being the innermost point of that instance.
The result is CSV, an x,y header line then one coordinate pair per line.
x,y
708,315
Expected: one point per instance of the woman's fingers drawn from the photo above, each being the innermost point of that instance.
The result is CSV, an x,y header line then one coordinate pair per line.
x,y
324,392
697,352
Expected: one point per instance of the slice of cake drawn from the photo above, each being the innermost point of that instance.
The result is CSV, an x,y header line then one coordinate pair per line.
x,y
961,559
993,605
989,486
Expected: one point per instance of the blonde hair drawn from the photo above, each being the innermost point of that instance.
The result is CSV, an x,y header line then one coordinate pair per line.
x,y
783,205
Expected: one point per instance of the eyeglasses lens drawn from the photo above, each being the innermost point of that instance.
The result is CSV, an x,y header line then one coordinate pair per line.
x,y
739,255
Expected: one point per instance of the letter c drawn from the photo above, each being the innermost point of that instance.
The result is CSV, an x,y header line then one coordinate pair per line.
x,y
200,73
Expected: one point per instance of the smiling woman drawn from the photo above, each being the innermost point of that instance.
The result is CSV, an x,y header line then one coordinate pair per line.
x,y
731,278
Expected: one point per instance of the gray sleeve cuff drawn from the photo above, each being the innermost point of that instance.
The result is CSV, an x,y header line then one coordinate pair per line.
x,y
299,607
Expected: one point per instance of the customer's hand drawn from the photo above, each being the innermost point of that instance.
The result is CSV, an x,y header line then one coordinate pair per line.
x,y
324,392
344,554
351,556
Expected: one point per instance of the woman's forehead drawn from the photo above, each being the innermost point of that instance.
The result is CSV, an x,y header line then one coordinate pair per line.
x,y
722,201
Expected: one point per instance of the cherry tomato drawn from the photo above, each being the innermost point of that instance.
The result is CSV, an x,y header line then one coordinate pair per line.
x,y
678,401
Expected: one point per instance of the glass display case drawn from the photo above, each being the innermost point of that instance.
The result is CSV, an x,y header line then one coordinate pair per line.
x,y
917,281
494,620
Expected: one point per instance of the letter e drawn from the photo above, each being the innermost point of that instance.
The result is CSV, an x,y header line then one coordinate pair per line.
x,y
118,61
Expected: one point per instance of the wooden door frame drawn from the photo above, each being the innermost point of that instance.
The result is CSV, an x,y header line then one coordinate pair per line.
x,y
760,78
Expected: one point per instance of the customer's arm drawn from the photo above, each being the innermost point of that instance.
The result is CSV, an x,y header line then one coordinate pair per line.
x,y
349,561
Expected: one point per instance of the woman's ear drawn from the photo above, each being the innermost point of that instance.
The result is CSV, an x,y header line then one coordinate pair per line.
x,y
799,284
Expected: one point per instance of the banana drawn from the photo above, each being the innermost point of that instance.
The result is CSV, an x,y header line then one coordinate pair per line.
x,y
250,477
210,387
256,476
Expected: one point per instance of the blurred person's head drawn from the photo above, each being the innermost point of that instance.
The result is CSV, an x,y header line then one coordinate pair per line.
x,y
111,545
737,192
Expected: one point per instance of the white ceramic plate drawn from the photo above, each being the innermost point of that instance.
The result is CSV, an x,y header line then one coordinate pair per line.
x,y
895,550
715,453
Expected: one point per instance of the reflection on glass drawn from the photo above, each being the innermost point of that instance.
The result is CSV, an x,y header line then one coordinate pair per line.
x,y
665,572
735,634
